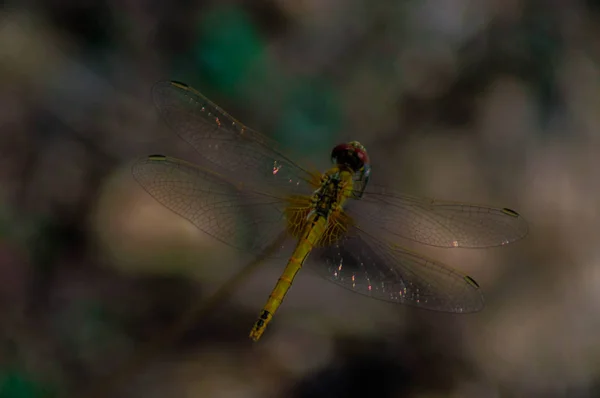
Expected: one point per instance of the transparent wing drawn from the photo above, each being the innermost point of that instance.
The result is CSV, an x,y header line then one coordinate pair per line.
x,y
375,269
236,150
242,218
437,223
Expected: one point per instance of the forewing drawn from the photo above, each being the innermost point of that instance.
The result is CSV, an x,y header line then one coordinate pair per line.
x,y
370,267
236,150
241,218
437,223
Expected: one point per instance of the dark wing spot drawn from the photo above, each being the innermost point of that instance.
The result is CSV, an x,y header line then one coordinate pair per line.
x,y
471,281
157,157
510,212
180,84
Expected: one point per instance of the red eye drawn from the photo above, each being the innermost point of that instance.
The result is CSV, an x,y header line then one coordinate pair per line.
x,y
341,148
349,155
362,155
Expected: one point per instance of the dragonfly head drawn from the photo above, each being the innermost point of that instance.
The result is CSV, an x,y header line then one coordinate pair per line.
x,y
352,155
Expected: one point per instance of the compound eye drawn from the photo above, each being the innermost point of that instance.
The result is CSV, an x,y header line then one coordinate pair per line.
x,y
364,158
339,152
361,159
339,149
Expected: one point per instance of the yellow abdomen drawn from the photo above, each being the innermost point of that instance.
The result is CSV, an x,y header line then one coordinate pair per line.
x,y
313,232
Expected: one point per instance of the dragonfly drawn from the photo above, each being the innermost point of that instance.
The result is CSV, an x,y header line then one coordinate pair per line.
x,y
249,193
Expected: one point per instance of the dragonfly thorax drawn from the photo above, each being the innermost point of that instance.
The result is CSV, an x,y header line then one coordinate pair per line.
x,y
327,197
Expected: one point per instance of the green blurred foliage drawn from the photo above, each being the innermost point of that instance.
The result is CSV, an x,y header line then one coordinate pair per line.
x,y
228,46
311,117
543,45
225,52
16,384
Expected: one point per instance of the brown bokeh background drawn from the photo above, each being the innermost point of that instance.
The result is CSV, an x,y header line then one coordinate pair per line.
x,y
482,101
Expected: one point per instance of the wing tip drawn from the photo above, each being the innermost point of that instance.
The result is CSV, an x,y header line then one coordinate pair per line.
x,y
159,86
477,306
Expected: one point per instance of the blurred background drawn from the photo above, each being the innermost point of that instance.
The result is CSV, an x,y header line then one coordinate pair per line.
x,y
484,101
